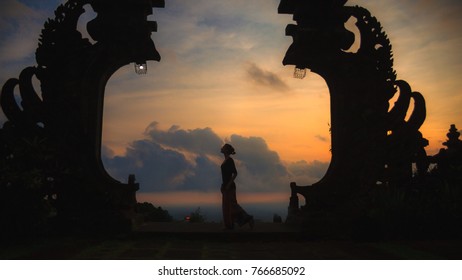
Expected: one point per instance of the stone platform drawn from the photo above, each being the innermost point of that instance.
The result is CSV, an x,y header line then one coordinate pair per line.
x,y
190,241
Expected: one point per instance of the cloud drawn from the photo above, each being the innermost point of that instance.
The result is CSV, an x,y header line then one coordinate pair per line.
x,y
306,173
321,138
205,32
19,31
177,159
188,160
265,78
20,27
260,169
256,156
199,140
156,168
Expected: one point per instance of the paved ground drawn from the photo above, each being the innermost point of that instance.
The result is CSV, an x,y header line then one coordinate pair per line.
x,y
209,241
178,227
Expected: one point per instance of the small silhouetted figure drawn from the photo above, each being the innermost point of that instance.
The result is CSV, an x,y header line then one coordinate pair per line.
x,y
232,211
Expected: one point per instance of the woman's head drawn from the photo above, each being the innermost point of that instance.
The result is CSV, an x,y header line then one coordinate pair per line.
x,y
227,149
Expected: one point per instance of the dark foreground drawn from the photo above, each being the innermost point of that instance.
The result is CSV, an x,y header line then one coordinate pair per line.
x,y
208,241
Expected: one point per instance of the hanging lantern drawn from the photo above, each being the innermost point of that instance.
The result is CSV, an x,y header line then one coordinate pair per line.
x,y
299,73
141,68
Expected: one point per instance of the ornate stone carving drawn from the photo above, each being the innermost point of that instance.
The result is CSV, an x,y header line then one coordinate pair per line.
x,y
370,142
67,116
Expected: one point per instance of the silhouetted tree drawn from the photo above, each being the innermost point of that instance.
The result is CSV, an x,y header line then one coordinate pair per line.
x,y
431,206
197,216
150,213
27,177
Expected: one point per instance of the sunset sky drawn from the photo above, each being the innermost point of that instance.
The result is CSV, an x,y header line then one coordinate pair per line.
x,y
221,79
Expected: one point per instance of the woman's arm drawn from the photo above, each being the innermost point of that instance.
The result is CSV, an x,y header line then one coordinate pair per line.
x,y
231,181
233,174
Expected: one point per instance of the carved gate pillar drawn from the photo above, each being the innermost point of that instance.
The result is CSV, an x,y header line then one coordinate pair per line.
x,y
67,118
368,140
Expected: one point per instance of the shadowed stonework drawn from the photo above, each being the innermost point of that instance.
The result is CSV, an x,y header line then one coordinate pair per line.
x,y
370,142
58,134
380,182
375,147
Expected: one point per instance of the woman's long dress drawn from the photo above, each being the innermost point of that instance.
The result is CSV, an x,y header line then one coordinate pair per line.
x,y
232,211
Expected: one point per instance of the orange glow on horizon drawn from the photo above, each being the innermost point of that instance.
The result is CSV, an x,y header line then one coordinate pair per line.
x,y
200,198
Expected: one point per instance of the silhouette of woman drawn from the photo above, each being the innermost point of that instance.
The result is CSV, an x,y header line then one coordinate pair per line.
x,y
232,211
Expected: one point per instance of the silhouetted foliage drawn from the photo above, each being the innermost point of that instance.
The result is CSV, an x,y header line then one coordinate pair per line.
x,y
27,175
420,211
431,205
197,216
150,213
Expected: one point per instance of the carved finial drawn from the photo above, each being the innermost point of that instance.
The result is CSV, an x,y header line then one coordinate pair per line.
x,y
453,137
